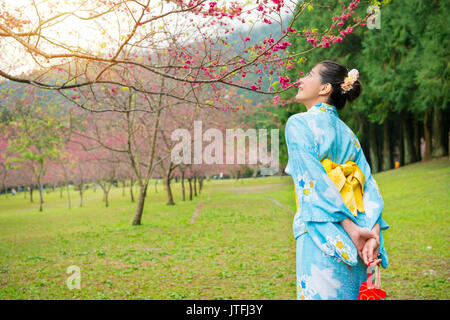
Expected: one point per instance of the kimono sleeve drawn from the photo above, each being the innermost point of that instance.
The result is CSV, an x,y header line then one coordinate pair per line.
x,y
318,198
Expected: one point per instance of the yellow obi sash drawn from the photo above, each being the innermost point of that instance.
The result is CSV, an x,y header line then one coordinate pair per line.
x,y
349,180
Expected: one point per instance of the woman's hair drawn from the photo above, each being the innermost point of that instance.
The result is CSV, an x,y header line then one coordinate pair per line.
x,y
335,74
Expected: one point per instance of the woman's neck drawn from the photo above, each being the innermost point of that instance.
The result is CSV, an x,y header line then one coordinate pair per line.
x,y
309,104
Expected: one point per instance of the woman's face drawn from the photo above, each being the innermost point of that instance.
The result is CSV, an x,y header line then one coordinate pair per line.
x,y
310,87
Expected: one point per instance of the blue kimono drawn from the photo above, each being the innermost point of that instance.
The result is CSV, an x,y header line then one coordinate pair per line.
x,y
328,265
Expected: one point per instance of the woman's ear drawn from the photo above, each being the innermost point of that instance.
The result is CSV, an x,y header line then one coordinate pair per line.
x,y
326,89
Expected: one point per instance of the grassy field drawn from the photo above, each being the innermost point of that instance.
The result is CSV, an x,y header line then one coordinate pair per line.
x,y
240,245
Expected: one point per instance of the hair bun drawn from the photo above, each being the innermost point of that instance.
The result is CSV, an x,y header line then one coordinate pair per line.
x,y
354,92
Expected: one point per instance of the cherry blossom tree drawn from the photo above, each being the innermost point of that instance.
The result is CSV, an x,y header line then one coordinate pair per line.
x,y
82,43
35,136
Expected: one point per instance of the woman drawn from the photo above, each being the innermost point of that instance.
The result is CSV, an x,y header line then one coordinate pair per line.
x,y
338,220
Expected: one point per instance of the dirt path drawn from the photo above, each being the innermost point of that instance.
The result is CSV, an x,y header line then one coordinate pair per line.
x,y
198,208
255,189
282,206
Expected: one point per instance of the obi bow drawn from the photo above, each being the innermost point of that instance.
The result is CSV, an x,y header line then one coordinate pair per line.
x,y
349,180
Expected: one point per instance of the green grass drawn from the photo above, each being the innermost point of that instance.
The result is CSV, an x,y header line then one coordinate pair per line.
x,y
239,247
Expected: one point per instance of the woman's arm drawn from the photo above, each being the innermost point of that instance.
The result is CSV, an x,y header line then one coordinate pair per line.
x,y
376,229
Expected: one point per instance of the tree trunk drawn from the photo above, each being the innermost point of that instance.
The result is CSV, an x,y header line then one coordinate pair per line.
x,y
140,208
105,192
41,199
408,139
131,190
81,196
195,185
190,188
123,188
255,172
170,201
440,146
364,141
68,195
373,148
31,193
61,188
387,151
416,140
427,133
183,194
200,184
447,129
399,140
156,184
238,175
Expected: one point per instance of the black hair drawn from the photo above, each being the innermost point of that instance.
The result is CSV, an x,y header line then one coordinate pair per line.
x,y
335,74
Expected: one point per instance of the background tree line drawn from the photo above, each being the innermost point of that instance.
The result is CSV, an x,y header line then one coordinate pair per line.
x,y
404,70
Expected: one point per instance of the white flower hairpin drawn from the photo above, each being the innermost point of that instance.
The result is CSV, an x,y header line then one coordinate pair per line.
x,y
352,76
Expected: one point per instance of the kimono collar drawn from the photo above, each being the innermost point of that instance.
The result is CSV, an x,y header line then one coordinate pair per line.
x,y
324,107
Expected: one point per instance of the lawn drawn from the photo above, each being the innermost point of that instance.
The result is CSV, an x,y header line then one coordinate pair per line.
x,y
237,245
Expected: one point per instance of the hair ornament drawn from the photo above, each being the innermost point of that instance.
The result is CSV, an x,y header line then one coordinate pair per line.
x,y
352,76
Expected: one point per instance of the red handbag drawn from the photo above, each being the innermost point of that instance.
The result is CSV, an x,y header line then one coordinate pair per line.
x,y
369,290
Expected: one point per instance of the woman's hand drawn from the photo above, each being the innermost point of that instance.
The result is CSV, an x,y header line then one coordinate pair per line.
x,y
370,251
360,236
